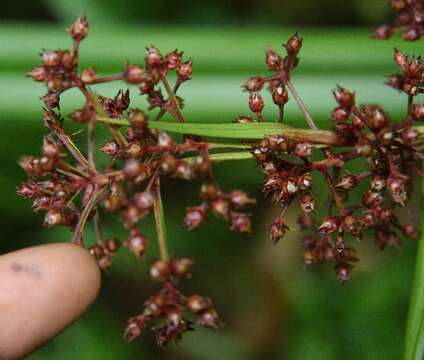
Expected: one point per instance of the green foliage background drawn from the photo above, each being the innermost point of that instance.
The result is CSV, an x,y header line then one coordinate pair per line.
x,y
273,307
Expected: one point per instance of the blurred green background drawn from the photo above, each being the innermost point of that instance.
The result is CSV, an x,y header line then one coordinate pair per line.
x,y
273,306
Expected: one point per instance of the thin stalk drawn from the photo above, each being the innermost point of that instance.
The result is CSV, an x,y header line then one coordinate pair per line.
x,y
160,223
230,156
108,78
72,148
177,111
90,144
97,226
414,337
414,347
301,105
92,202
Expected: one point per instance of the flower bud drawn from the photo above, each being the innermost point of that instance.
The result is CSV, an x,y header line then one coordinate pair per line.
x,y
50,58
97,251
348,182
352,225
173,59
185,70
53,217
165,141
340,114
383,32
134,74
409,134
209,190
181,267
134,329
397,189
273,60
110,245
39,73
343,271
344,97
307,203
303,150
371,199
240,222
256,103
196,303
329,225
50,148
254,84
243,119
202,164
152,56
79,29
210,319
418,111
410,231
160,270
294,45
51,100
135,150
79,116
280,96
137,243
378,183
304,182
132,168
412,33
144,200
400,59
195,216
290,186
88,76
168,164
110,148
220,207
239,198
138,119
396,81
183,170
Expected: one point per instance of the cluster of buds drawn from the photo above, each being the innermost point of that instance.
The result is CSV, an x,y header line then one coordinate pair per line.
x,y
103,252
410,80
277,82
169,312
73,189
223,205
409,20
58,69
390,154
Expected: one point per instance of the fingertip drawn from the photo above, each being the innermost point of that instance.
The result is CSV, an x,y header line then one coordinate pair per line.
x,y
43,289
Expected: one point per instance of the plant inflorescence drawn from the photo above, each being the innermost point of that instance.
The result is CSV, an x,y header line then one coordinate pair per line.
x,y
409,20
68,184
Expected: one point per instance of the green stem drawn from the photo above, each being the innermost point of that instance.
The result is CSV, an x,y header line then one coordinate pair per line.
x,y
160,223
414,338
248,131
230,156
414,347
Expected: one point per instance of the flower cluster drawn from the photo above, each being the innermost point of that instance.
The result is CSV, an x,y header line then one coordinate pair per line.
x,y
390,157
409,20
169,309
71,188
69,185
281,68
